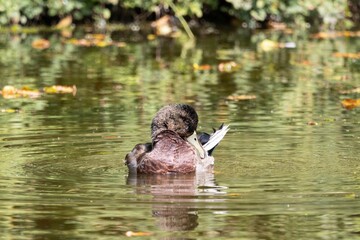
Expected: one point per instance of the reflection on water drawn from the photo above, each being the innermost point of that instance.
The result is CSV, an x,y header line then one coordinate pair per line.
x,y
175,197
276,176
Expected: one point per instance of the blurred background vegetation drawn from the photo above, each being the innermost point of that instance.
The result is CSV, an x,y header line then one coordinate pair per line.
x,y
331,14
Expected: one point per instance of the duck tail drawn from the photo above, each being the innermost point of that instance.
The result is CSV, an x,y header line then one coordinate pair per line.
x,y
215,138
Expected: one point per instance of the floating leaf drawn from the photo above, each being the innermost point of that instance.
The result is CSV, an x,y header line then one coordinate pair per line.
x,y
268,45
151,37
64,23
165,26
95,36
333,34
40,44
137,234
241,97
12,92
228,66
95,40
347,55
350,103
9,110
60,89
204,67
119,44
312,123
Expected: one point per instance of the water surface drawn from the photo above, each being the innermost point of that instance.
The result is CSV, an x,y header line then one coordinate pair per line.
x,y
288,168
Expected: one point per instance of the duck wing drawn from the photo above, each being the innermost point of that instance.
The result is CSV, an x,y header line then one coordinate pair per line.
x,y
211,141
170,154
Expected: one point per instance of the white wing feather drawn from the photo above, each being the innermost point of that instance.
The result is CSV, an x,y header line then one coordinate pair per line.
x,y
216,137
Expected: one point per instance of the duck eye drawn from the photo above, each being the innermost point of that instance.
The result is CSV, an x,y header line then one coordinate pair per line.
x,y
195,139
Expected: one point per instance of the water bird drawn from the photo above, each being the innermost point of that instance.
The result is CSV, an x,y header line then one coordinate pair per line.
x,y
176,147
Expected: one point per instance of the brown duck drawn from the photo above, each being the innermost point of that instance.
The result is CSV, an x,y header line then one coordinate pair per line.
x,y
175,146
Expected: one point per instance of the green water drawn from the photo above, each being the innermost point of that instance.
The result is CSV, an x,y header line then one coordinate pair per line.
x,y
276,176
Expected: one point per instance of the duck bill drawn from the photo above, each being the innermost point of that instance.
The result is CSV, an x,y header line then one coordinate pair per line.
x,y
193,139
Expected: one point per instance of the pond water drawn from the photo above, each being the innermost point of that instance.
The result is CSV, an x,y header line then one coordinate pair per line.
x,y
289,168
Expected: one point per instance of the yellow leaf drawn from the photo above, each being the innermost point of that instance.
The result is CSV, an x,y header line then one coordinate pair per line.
x,y
268,45
350,103
241,97
64,23
347,55
201,67
137,234
228,66
12,92
60,89
151,37
40,44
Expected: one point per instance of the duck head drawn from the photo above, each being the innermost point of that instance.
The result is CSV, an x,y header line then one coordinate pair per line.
x,y
181,119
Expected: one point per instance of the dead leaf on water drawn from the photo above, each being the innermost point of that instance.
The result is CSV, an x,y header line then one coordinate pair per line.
x,y
228,66
347,55
204,67
137,234
350,103
40,44
95,40
241,97
9,110
64,23
233,194
96,36
334,34
165,26
151,37
312,123
269,45
60,89
12,92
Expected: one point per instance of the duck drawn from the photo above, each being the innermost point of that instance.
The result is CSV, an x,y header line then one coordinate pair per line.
x,y
175,145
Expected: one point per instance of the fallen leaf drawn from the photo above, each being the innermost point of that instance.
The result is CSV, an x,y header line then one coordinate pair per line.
x,y
66,33
8,90
334,34
204,67
268,45
151,37
350,103
97,36
64,23
228,66
40,44
137,234
312,123
119,44
25,92
60,89
95,40
165,26
347,55
233,194
10,110
241,97
12,92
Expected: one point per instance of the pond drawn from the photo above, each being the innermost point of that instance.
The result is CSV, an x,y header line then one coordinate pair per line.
x,y
289,168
